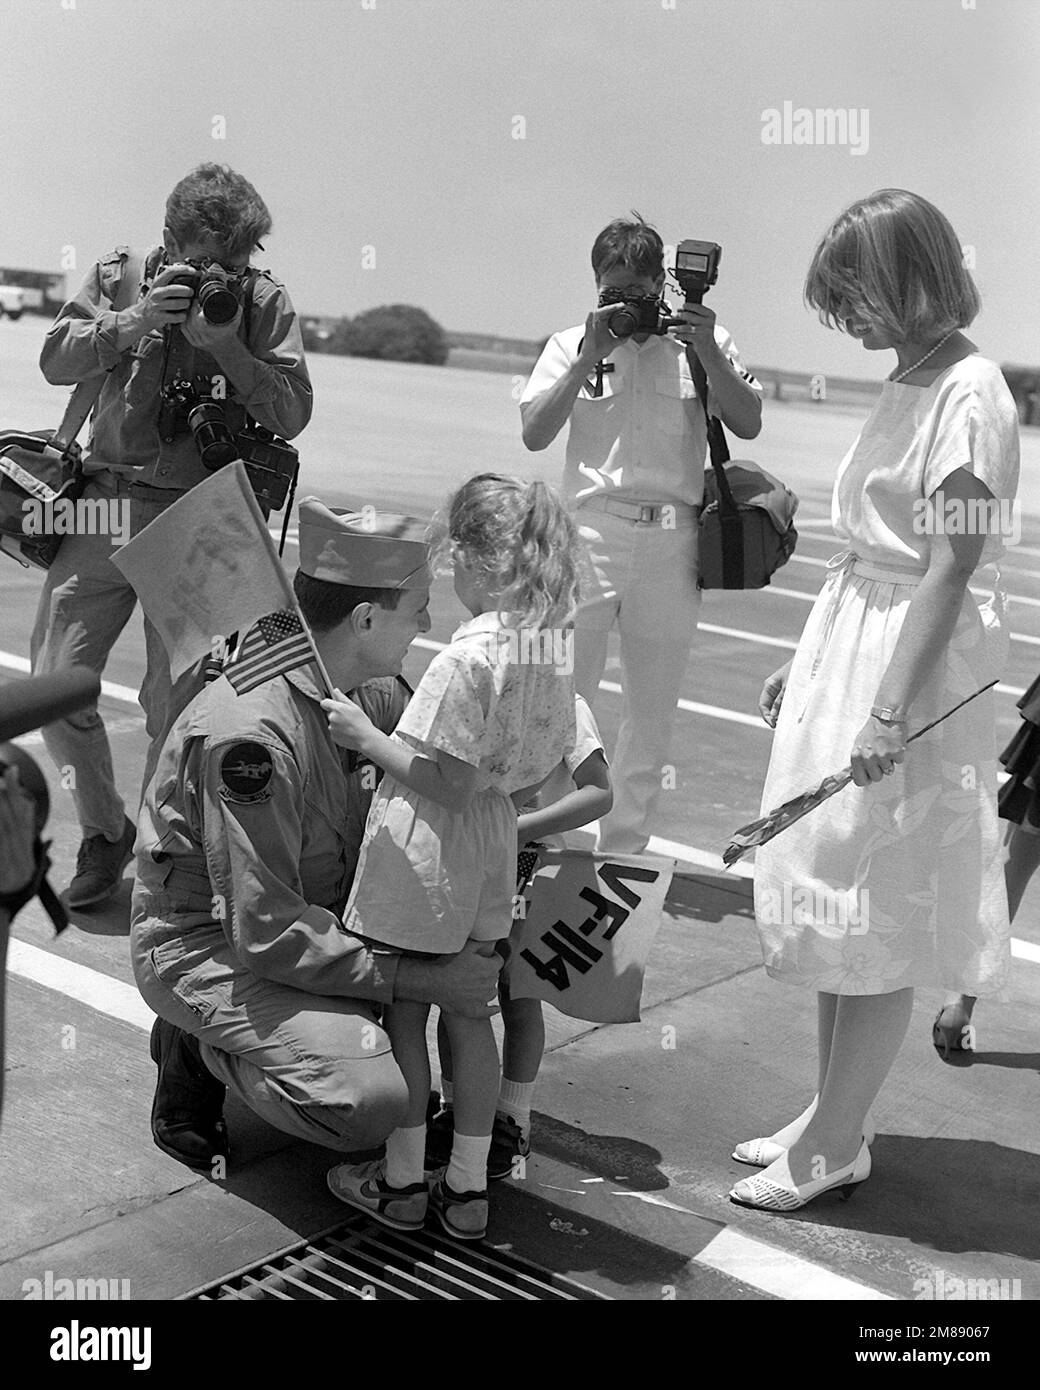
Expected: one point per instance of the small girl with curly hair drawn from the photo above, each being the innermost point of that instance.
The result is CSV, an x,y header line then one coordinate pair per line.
x,y
492,717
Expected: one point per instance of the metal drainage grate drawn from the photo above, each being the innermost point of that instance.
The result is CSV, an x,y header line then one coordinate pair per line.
x,y
360,1260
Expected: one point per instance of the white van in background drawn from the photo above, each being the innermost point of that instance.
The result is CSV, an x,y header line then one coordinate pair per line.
x,y
12,301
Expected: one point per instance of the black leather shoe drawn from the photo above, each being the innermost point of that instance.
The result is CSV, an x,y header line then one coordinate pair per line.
x,y
99,868
187,1122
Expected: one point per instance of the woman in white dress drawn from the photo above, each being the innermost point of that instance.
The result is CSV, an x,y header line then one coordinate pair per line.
x,y
897,880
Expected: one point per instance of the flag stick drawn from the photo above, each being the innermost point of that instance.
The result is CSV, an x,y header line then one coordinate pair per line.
x,y
796,807
317,662
291,599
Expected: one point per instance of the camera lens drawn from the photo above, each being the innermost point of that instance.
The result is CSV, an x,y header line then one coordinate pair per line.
x,y
623,322
214,441
218,301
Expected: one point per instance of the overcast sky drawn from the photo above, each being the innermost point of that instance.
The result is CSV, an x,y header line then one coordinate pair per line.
x,y
477,146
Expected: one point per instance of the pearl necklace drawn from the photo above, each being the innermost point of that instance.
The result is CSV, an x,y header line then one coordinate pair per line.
x,y
925,358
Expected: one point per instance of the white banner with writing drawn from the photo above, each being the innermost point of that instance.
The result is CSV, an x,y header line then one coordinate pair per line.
x,y
589,922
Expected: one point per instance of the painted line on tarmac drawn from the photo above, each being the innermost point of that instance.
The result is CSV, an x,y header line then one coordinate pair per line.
x,y
109,688
91,987
777,1272
787,643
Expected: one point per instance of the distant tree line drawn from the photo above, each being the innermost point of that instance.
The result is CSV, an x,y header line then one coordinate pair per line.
x,y
1024,385
392,332
404,333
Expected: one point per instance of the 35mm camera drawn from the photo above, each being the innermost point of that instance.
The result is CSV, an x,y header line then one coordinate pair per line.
x,y
696,270
270,462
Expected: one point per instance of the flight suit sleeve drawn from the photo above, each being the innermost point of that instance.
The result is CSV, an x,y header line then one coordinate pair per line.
x,y
81,342
279,395
252,828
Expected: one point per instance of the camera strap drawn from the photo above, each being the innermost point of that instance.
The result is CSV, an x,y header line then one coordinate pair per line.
x,y
602,367
718,448
732,532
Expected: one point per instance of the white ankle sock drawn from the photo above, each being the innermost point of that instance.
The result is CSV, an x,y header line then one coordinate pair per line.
x,y
467,1171
514,1100
405,1150
447,1090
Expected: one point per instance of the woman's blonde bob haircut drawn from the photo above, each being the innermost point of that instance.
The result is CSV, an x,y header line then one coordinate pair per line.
x,y
893,262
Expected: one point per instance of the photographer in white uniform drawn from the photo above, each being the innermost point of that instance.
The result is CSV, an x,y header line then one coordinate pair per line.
x,y
634,477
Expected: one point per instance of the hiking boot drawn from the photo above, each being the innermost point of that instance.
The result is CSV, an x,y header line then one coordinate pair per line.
x,y
364,1186
463,1215
99,867
508,1143
187,1122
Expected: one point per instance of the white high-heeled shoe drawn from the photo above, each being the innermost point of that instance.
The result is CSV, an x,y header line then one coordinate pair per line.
x,y
760,1153
766,1195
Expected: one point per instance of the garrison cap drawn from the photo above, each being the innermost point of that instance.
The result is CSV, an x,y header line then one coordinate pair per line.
x,y
370,549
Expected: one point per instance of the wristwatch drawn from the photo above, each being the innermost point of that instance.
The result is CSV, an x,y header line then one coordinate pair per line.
x,y
889,716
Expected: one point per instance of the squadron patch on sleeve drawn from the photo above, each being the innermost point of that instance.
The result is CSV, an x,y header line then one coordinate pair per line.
x,y
245,773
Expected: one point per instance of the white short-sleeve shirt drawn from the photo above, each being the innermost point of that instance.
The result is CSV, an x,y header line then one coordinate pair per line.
x,y
644,438
914,438
561,781
488,700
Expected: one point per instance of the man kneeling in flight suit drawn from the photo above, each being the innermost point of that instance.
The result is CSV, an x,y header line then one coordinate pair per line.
x,y
247,845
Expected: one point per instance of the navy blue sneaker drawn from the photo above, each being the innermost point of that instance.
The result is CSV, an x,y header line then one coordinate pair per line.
x,y
440,1132
463,1215
508,1143
364,1186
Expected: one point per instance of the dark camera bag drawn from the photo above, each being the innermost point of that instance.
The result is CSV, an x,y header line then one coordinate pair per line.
x,y
747,520
50,471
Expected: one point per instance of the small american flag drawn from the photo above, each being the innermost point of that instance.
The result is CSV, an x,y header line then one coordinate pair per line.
x,y
272,646
526,864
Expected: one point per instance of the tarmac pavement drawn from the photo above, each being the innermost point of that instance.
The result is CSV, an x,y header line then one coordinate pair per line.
x,y
626,1190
